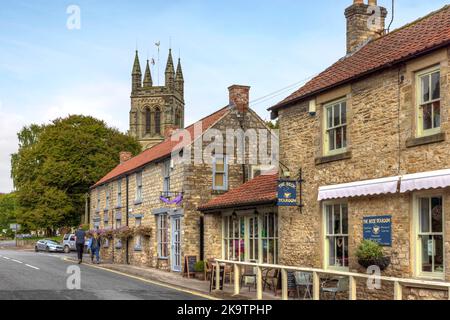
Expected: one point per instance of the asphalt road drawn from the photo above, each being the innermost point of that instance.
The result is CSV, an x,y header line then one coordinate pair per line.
x,y
43,276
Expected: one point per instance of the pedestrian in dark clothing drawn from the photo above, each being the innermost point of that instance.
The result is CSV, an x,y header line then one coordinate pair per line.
x,y
80,236
95,248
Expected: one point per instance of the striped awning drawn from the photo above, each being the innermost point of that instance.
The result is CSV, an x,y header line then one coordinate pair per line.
x,y
425,180
359,188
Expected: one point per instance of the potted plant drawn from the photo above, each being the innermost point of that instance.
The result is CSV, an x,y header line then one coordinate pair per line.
x,y
370,253
199,269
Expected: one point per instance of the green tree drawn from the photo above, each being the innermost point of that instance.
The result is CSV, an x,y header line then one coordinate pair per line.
x,y
57,163
273,124
7,211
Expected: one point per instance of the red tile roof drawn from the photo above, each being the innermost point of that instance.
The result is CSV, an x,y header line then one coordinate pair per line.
x,y
261,190
160,150
419,37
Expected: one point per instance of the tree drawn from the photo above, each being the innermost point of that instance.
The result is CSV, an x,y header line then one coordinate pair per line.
x,y
7,211
57,163
273,125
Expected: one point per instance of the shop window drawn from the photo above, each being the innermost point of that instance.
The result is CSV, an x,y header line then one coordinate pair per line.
x,y
163,236
335,134
430,236
336,235
251,238
220,173
139,187
429,102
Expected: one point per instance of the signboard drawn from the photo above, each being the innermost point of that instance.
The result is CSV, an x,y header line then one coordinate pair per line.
x,y
287,193
378,229
189,264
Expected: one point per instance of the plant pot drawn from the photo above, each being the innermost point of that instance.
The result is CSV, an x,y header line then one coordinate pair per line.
x,y
200,275
382,262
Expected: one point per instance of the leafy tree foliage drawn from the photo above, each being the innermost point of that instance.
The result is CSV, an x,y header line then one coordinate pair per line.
x,y
7,211
57,163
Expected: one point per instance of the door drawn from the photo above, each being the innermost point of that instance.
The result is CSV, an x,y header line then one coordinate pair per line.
x,y
176,244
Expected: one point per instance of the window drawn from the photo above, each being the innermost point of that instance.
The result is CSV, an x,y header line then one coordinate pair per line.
x,y
166,176
335,139
251,238
429,104
178,118
430,236
163,236
98,201
138,238
139,187
118,223
119,193
336,235
108,197
148,121
220,173
157,121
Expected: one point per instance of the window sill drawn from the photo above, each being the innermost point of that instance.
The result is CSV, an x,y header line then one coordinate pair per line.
x,y
118,247
118,207
163,258
333,158
137,202
435,138
218,192
138,249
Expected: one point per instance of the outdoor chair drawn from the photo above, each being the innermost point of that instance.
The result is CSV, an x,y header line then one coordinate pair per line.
x,y
270,279
341,285
248,272
304,280
208,269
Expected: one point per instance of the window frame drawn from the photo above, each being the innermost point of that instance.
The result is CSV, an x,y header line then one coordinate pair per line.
x,y
326,235
119,193
325,135
107,197
161,230
166,175
417,244
139,187
420,132
224,172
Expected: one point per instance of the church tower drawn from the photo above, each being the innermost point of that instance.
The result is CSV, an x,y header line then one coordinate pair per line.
x,y
156,110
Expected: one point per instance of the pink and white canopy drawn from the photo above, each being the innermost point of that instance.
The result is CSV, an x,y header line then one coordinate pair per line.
x,y
359,188
425,180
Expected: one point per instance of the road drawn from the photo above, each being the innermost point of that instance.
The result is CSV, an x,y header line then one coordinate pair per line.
x,y
43,276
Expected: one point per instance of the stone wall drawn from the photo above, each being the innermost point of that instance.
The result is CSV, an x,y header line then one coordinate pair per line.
x,y
381,125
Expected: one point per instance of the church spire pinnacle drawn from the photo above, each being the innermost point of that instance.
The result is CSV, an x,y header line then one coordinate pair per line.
x,y
136,81
179,79
148,82
170,71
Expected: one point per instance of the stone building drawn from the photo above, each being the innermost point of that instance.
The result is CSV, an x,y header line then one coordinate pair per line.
x,y
370,134
162,187
156,109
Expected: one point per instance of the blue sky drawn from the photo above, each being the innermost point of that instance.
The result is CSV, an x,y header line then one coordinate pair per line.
x,y
48,71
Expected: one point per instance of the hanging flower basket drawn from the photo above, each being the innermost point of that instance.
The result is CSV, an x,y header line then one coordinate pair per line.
x,y
143,231
370,253
124,233
382,262
106,234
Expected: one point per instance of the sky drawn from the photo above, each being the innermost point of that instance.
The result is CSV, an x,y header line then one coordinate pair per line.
x,y
50,68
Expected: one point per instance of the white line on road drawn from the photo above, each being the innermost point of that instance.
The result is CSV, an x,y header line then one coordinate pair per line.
x,y
6,258
33,267
17,261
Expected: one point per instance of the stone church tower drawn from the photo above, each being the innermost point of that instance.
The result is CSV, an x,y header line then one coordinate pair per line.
x,y
156,110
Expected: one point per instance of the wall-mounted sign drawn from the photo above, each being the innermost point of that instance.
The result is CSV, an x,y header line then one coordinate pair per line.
x,y
378,229
287,193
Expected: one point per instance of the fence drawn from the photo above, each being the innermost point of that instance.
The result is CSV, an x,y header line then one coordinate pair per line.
x,y
399,283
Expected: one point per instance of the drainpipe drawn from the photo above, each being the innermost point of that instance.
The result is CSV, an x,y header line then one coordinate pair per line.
x,y
126,212
86,209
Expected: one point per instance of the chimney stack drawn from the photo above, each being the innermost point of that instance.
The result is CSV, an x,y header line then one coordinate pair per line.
x,y
125,156
365,22
170,130
239,97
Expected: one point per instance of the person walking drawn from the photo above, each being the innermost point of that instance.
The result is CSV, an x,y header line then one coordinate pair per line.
x,y
95,245
80,236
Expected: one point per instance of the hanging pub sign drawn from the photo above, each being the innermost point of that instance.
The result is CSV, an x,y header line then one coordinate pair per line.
x,y
287,193
378,229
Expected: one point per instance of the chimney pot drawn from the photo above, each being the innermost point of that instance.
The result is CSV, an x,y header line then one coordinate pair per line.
x,y
125,156
239,97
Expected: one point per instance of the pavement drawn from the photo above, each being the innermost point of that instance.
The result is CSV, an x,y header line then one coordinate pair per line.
x,y
25,274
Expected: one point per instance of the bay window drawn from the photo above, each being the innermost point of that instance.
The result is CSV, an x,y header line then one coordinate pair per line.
x,y
250,238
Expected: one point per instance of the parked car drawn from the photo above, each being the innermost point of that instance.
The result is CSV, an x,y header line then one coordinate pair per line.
x,y
69,243
49,246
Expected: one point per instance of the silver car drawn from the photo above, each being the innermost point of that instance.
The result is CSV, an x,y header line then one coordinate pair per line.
x,y
49,246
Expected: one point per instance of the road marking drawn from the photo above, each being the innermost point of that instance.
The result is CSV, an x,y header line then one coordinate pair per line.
x,y
33,267
17,261
195,293
6,258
